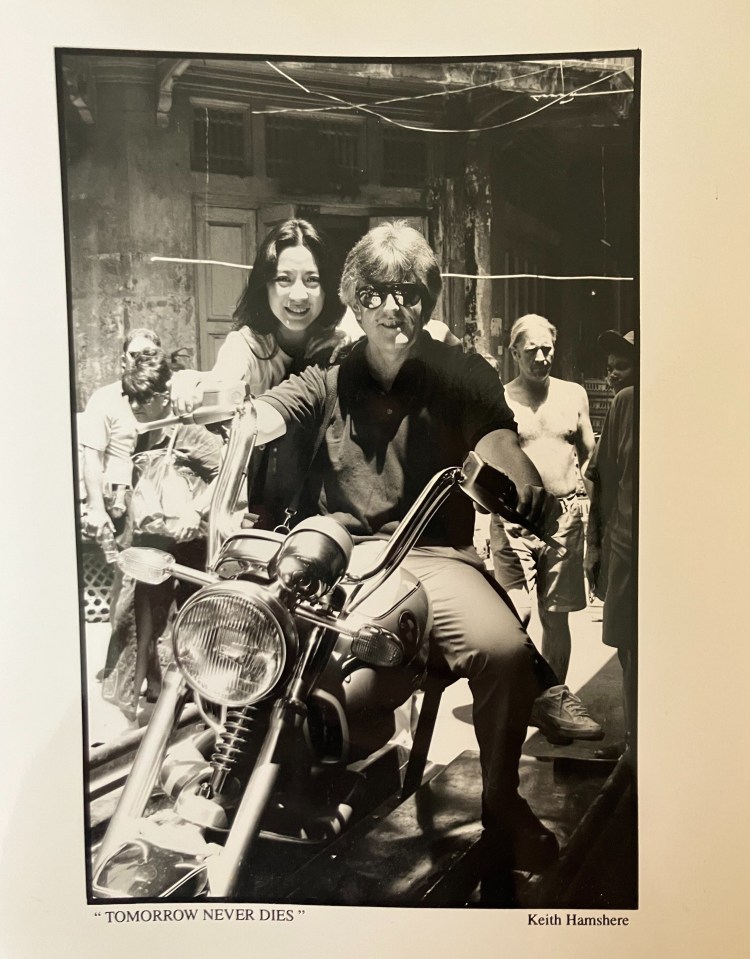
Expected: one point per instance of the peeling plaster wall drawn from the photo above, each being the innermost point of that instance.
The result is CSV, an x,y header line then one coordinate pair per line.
x,y
479,244
128,198
131,195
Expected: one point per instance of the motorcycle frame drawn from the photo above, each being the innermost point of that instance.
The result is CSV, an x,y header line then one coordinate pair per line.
x,y
224,870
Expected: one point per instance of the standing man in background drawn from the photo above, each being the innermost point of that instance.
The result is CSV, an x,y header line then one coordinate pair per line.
x,y
620,352
107,434
553,427
610,532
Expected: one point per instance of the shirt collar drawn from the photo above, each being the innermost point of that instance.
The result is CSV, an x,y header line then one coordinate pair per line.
x,y
357,381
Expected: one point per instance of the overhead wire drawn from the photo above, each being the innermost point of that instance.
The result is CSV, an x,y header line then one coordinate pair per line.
x,y
441,93
421,129
406,99
462,276
344,104
530,276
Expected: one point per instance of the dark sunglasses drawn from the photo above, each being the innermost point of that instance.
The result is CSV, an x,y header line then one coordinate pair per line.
x,y
405,294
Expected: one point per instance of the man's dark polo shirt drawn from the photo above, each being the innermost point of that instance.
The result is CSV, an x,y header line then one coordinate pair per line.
x,y
382,448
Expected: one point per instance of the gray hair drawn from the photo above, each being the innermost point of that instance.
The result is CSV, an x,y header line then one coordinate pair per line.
x,y
524,323
392,253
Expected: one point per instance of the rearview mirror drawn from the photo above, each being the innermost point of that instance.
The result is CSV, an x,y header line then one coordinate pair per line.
x,y
489,487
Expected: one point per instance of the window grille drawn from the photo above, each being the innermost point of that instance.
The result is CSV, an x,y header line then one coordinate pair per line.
x,y
522,296
404,158
316,154
220,141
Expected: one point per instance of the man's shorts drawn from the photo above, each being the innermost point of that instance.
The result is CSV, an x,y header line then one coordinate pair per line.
x,y
523,561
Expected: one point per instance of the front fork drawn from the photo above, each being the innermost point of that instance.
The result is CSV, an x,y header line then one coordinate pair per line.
x,y
288,713
147,764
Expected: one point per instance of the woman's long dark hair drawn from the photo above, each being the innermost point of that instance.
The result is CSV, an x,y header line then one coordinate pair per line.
x,y
253,310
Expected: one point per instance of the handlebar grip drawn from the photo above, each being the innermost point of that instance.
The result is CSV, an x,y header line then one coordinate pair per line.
x,y
494,491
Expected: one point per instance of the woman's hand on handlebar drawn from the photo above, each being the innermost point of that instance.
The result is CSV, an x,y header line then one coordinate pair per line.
x,y
541,508
186,391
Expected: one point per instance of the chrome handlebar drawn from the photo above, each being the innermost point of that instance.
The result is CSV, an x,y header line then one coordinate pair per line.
x,y
228,486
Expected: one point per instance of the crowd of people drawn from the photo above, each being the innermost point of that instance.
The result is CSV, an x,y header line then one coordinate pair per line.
x,y
409,401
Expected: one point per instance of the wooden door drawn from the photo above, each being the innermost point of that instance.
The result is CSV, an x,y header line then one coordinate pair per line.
x,y
229,236
342,232
272,215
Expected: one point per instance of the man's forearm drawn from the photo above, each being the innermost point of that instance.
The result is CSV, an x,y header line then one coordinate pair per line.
x,y
587,484
93,478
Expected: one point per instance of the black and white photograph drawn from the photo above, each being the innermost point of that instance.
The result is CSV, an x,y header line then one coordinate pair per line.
x,y
373,418
355,367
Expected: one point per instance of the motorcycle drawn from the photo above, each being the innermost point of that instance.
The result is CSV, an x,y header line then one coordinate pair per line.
x,y
296,656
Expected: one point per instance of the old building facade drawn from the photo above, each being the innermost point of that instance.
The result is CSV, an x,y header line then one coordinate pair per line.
x,y
512,168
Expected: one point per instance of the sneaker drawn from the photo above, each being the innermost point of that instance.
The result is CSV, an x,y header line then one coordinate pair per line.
x,y
561,716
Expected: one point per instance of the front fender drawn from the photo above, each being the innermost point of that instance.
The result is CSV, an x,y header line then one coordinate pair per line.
x,y
141,869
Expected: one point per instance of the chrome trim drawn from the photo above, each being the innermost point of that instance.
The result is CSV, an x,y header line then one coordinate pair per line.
x,y
216,726
237,556
191,575
404,537
262,599
148,761
228,483
318,619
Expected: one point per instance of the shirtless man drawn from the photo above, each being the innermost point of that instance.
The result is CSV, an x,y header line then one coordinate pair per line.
x,y
553,426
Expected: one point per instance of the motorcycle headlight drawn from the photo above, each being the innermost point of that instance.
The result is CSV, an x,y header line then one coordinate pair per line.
x,y
232,642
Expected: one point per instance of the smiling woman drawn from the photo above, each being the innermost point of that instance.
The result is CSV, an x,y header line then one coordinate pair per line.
x,y
288,311
284,320
295,295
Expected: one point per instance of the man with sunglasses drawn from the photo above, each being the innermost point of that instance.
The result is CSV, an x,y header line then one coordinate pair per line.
x,y
107,436
406,407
